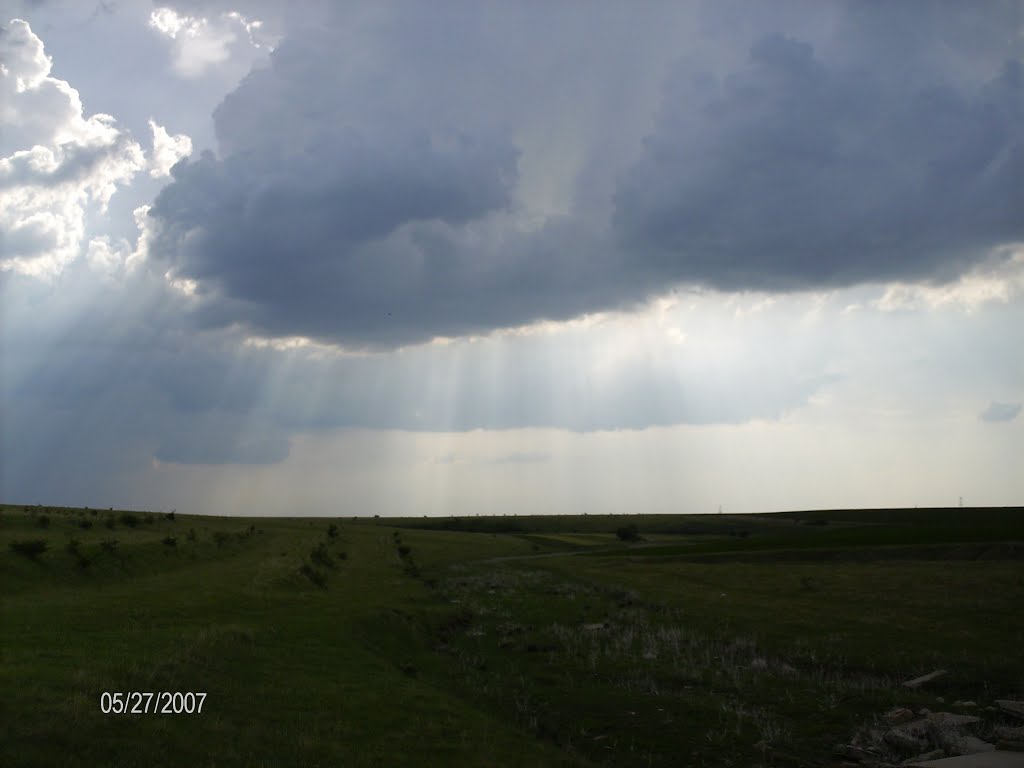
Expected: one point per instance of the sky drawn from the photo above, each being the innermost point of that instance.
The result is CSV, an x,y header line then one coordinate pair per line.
x,y
409,258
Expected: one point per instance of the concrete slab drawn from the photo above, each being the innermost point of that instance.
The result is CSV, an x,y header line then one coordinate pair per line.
x,y
982,760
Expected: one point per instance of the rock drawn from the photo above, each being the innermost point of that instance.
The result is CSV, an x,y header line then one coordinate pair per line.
x,y
965,703
935,754
908,739
984,760
950,720
898,715
1015,708
972,745
593,627
917,682
945,730
848,751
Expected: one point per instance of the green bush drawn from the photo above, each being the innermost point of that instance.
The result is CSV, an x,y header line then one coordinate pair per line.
x,y
74,549
30,548
313,575
43,521
628,533
127,518
320,556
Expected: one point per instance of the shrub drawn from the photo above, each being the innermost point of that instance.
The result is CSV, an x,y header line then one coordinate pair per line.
x,y
109,545
127,518
109,522
404,551
313,575
85,524
169,541
191,535
75,550
94,512
221,538
30,548
628,533
320,556
43,521
170,515
332,531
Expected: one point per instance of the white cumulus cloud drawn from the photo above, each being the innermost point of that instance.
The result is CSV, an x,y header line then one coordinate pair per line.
x,y
55,163
199,42
167,150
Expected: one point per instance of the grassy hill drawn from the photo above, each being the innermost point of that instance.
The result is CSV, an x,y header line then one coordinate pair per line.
x,y
714,640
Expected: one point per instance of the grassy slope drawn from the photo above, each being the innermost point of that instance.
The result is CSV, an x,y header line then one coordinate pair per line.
x,y
452,655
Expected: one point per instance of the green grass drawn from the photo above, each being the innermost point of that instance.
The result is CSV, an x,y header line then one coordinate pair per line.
x,y
724,640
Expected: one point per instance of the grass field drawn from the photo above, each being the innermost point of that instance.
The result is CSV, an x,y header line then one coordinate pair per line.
x,y
714,640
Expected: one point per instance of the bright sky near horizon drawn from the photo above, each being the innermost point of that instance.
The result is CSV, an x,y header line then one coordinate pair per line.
x,y
511,257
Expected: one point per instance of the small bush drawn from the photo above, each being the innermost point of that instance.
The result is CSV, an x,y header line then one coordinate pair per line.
x,y
85,524
332,531
221,538
169,541
170,515
110,523
30,548
628,533
94,512
109,546
74,549
320,556
127,518
191,535
43,521
404,551
313,575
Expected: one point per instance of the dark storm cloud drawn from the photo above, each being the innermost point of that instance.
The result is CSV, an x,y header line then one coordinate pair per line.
x,y
365,190
789,174
1000,412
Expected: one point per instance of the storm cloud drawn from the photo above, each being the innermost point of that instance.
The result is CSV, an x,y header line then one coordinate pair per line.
x,y
790,174
753,226
371,196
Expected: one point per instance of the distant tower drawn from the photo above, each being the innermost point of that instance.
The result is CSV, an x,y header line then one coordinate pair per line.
x,y
961,501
